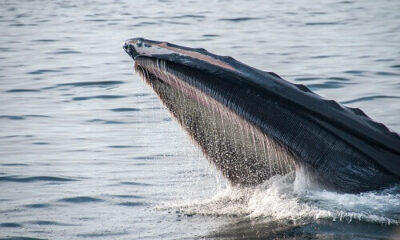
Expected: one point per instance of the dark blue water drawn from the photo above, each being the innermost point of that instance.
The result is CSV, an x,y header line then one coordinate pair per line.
x,y
88,152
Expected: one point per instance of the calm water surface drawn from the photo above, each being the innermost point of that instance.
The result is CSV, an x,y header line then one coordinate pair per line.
x,y
88,152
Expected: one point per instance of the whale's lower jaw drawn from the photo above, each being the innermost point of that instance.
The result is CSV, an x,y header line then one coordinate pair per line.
x,y
251,135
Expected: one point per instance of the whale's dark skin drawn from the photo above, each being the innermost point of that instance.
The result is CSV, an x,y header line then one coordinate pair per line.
x,y
253,124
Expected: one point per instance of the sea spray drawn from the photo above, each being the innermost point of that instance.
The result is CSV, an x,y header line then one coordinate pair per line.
x,y
293,197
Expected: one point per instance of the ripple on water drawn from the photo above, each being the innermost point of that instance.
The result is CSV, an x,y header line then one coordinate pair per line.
x,y
307,78
22,25
35,179
154,156
14,136
10,225
135,183
326,85
40,143
89,84
121,146
105,121
22,90
369,98
11,117
45,40
323,23
14,164
125,109
126,196
387,74
66,51
46,223
322,56
211,35
14,117
3,49
189,16
338,79
37,205
37,116
239,19
354,72
97,97
131,204
43,71
101,234
145,23
385,60
22,238
80,199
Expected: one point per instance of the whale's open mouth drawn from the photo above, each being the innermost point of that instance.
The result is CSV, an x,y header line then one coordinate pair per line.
x,y
253,124
207,111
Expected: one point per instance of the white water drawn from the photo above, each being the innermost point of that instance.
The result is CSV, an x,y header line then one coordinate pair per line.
x,y
291,197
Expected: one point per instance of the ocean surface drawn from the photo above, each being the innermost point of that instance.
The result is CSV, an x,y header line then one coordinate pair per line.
x,y
87,151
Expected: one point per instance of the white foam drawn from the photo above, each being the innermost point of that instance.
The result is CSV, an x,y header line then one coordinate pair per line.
x,y
294,197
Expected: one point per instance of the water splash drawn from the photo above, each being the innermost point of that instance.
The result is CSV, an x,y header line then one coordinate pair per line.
x,y
293,197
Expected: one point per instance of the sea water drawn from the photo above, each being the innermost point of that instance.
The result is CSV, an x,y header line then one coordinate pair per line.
x,y
87,151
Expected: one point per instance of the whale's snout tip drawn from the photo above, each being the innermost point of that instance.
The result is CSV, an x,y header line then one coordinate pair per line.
x,y
129,48
125,46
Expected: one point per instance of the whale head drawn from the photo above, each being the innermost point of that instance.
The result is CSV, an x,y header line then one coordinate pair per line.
x,y
253,124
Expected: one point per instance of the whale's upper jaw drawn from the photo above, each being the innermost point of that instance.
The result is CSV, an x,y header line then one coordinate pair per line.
x,y
183,55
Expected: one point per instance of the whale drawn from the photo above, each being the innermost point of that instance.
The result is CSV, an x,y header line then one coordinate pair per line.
x,y
253,124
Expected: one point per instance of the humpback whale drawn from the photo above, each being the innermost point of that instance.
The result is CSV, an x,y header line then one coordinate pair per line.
x,y
253,124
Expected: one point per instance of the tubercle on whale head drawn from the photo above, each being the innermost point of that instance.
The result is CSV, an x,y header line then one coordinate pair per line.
x,y
129,47
140,46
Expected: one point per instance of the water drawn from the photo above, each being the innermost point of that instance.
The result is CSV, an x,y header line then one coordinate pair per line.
x,y
88,152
